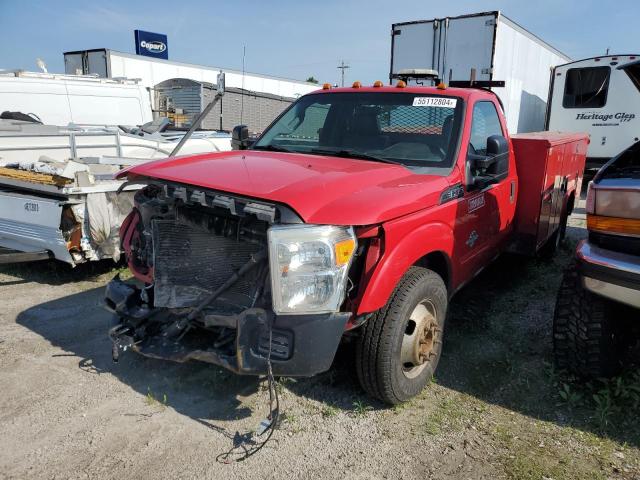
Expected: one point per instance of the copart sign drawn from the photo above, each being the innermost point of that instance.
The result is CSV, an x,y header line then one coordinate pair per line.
x,y
151,44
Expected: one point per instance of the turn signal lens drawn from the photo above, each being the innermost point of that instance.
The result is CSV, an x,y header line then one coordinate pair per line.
x,y
377,84
401,84
356,84
623,226
344,251
326,86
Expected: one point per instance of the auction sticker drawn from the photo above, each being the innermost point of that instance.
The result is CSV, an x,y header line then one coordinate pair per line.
x,y
441,102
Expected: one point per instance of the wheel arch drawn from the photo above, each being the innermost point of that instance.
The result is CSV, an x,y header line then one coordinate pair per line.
x,y
429,246
440,263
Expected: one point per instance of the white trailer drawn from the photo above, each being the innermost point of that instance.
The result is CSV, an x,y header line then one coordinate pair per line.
x,y
82,99
600,96
153,71
495,47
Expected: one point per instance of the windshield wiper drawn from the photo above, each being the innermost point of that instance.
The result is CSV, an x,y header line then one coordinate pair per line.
x,y
353,154
273,148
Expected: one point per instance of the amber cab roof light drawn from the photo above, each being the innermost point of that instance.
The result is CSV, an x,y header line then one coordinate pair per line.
x,y
377,84
401,84
326,86
356,84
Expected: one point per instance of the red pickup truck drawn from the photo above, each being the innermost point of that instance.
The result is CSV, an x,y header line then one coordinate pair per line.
x,y
360,212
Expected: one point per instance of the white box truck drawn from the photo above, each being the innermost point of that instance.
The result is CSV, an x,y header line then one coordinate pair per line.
x,y
494,46
600,96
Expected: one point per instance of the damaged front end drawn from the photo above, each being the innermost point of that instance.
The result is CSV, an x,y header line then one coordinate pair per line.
x,y
204,265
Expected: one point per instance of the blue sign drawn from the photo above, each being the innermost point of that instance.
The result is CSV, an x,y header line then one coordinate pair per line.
x,y
151,44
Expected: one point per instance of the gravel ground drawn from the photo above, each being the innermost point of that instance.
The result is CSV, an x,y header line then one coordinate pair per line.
x,y
494,410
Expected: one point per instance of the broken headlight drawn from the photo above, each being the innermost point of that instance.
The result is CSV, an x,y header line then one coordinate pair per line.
x,y
309,265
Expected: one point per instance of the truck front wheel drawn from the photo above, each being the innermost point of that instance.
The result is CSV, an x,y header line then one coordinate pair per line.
x,y
400,346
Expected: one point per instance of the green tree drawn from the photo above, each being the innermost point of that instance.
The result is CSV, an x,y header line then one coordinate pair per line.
x,y
311,79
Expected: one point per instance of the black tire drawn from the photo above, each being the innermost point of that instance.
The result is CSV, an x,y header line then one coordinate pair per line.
x,y
378,353
562,227
550,248
588,339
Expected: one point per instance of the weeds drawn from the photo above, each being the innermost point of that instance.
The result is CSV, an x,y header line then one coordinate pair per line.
x,y
605,401
151,399
360,408
573,398
329,411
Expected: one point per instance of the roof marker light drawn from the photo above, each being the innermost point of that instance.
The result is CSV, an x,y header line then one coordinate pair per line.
x,y
401,84
356,84
441,86
377,84
326,86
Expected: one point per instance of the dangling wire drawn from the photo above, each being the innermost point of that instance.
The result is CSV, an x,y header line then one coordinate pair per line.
x,y
274,414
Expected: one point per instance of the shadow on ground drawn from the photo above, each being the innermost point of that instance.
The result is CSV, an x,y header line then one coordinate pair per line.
x,y
78,325
497,349
54,272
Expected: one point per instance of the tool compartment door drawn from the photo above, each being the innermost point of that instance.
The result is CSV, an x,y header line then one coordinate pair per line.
x,y
548,164
548,219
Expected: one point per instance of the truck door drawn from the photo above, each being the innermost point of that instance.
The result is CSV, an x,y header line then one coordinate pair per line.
x,y
484,222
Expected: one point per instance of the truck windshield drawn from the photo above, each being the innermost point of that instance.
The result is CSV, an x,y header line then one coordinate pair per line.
x,y
418,131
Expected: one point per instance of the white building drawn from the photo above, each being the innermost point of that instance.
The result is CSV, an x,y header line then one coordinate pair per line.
x,y
264,96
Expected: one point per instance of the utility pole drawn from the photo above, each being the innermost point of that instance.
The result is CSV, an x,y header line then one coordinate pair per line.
x,y
343,67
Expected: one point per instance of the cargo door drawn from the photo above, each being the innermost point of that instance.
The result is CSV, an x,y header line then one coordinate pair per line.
x,y
414,45
468,43
453,44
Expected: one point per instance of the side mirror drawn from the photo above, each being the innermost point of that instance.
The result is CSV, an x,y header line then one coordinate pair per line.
x,y
497,145
240,137
492,167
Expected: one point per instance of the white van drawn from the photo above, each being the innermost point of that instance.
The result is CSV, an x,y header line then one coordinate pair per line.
x,y
599,96
80,99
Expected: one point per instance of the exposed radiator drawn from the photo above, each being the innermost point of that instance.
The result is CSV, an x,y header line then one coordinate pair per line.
x,y
190,263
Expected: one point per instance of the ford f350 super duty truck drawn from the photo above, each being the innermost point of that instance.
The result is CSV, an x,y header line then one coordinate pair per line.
x,y
360,212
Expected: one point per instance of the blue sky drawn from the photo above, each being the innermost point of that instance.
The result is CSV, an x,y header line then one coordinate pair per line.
x,y
287,38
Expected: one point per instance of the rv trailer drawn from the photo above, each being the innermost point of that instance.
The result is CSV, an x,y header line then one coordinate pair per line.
x,y
599,96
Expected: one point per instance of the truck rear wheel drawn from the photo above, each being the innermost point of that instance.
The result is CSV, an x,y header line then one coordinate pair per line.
x,y
400,346
588,339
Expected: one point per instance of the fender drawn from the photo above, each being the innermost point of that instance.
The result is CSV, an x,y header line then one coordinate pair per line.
x,y
404,246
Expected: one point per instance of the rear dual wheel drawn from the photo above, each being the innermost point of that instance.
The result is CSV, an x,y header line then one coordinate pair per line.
x,y
400,346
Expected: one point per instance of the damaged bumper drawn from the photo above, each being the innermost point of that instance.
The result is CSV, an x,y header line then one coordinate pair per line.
x,y
298,345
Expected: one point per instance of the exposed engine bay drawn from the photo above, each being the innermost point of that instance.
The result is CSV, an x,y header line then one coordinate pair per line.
x,y
205,291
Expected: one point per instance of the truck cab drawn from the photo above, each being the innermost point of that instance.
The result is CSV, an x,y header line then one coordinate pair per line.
x,y
359,212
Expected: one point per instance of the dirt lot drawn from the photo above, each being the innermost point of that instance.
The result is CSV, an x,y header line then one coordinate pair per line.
x,y
497,408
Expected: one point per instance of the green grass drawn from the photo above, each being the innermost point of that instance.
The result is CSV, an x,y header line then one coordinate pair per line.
x,y
151,400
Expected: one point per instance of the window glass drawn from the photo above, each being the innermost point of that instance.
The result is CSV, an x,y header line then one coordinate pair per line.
x,y
586,87
634,74
418,131
308,128
485,122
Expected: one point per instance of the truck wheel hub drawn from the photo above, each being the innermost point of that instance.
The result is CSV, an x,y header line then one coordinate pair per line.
x,y
420,339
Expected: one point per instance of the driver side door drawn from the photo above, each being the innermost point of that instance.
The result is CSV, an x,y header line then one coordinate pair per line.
x,y
478,220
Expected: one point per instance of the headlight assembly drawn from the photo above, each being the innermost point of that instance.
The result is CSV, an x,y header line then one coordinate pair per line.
x,y
309,265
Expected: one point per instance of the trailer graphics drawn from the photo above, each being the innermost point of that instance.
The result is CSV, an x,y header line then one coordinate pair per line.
x,y
621,116
599,96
